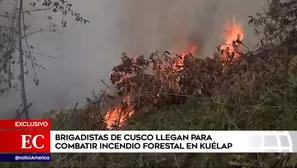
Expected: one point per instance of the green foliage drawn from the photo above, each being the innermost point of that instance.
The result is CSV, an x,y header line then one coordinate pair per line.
x,y
276,25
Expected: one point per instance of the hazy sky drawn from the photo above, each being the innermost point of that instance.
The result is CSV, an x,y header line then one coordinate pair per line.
x,y
86,53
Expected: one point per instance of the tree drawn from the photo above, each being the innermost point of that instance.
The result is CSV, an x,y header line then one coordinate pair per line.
x,y
276,25
14,46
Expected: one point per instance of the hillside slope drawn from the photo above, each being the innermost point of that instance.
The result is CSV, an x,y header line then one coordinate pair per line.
x,y
254,90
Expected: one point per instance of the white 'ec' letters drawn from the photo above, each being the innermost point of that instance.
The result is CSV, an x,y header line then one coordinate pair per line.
x,y
28,142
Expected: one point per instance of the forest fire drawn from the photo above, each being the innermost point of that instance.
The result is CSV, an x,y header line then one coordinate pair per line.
x,y
117,115
233,36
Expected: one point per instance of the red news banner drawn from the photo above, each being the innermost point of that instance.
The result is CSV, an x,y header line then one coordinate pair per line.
x,y
24,137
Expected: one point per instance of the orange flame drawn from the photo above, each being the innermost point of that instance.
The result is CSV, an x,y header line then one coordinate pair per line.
x,y
233,32
179,61
119,114
193,49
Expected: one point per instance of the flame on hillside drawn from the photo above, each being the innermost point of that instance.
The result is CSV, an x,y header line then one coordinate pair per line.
x,y
232,36
117,115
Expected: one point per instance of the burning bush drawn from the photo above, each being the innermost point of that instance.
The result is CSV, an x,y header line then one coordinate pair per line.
x,y
164,78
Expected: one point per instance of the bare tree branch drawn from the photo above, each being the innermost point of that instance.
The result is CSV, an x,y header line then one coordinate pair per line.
x,y
26,41
8,16
38,10
39,31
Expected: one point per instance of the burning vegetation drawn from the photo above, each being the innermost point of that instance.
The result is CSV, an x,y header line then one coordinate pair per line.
x,y
233,37
234,90
118,114
159,80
